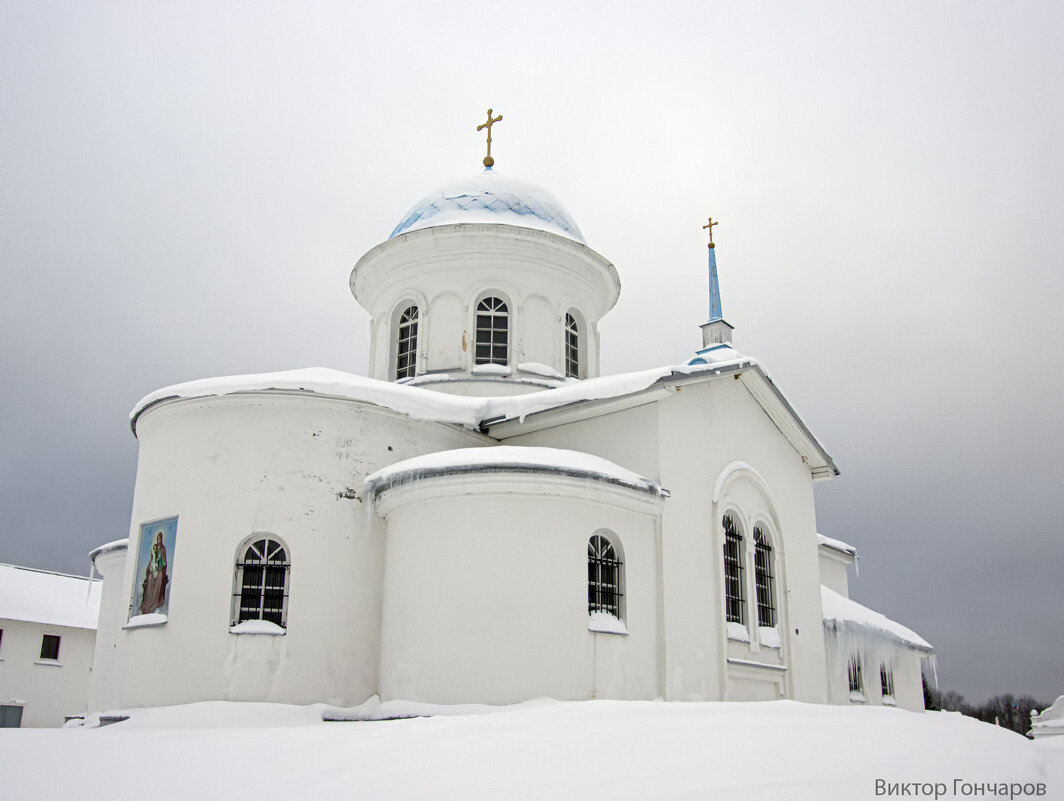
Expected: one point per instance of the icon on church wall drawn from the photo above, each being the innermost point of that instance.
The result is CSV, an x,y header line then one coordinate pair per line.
x,y
155,554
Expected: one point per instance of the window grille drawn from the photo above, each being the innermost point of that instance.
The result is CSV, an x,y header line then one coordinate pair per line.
x,y
603,577
49,646
406,352
853,674
763,578
886,680
493,332
572,347
262,583
734,603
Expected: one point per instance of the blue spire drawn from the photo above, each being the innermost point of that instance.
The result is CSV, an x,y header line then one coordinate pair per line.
x,y
715,312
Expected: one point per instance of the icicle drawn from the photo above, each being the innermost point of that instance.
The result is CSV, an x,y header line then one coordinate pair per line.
x,y
88,586
931,660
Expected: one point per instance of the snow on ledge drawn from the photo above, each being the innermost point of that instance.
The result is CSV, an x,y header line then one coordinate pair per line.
x,y
605,623
768,636
257,627
108,546
841,612
144,621
491,369
836,545
738,632
503,458
538,368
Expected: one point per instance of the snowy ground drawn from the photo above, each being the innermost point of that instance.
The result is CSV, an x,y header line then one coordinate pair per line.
x,y
592,750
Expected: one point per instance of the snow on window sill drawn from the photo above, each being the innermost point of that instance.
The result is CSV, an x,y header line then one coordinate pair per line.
x,y
257,627
538,368
888,700
857,696
768,636
52,662
491,369
738,632
142,621
605,623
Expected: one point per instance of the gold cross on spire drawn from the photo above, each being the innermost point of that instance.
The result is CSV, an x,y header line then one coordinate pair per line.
x,y
710,225
488,160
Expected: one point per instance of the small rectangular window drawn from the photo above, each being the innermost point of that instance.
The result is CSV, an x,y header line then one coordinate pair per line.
x,y
886,681
50,646
853,674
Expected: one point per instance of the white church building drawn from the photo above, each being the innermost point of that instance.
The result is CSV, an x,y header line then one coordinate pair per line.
x,y
485,518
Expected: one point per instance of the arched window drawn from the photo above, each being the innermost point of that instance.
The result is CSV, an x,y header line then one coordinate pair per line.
x,y
764,579
406,351
603,577
734,599
572,347
261,583
493,332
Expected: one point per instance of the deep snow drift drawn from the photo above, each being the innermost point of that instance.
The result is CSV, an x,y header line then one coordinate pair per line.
x,y
542,750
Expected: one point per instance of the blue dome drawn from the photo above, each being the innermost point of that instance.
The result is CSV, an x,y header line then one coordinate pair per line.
x,y
490,198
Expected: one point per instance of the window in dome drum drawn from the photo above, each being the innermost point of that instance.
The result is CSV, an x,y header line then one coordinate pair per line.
x,y
492,332
406,348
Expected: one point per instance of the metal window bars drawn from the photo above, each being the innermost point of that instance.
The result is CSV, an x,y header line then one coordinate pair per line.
x,y
262,583
734,601
764,580
603,577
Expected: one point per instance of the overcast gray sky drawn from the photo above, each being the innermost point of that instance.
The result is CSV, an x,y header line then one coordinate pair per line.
x,y
187,185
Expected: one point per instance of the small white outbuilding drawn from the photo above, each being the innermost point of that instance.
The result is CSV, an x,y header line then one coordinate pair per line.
x,y
483,519
47,637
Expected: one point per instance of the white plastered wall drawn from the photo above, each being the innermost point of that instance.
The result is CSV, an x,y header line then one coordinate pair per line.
x,y
486,590
540,275
688,440
48,691
906,664
284,464
833,570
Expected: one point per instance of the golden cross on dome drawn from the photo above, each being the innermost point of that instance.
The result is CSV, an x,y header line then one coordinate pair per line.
x,y
710,225
488,160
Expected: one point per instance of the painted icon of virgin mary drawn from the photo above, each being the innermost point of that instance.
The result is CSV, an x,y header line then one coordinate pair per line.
x,y
155,579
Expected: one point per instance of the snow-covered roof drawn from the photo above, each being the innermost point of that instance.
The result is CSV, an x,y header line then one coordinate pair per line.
x,y
491,198
836,545
843,612
422,404
492,413
56,599
509,458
